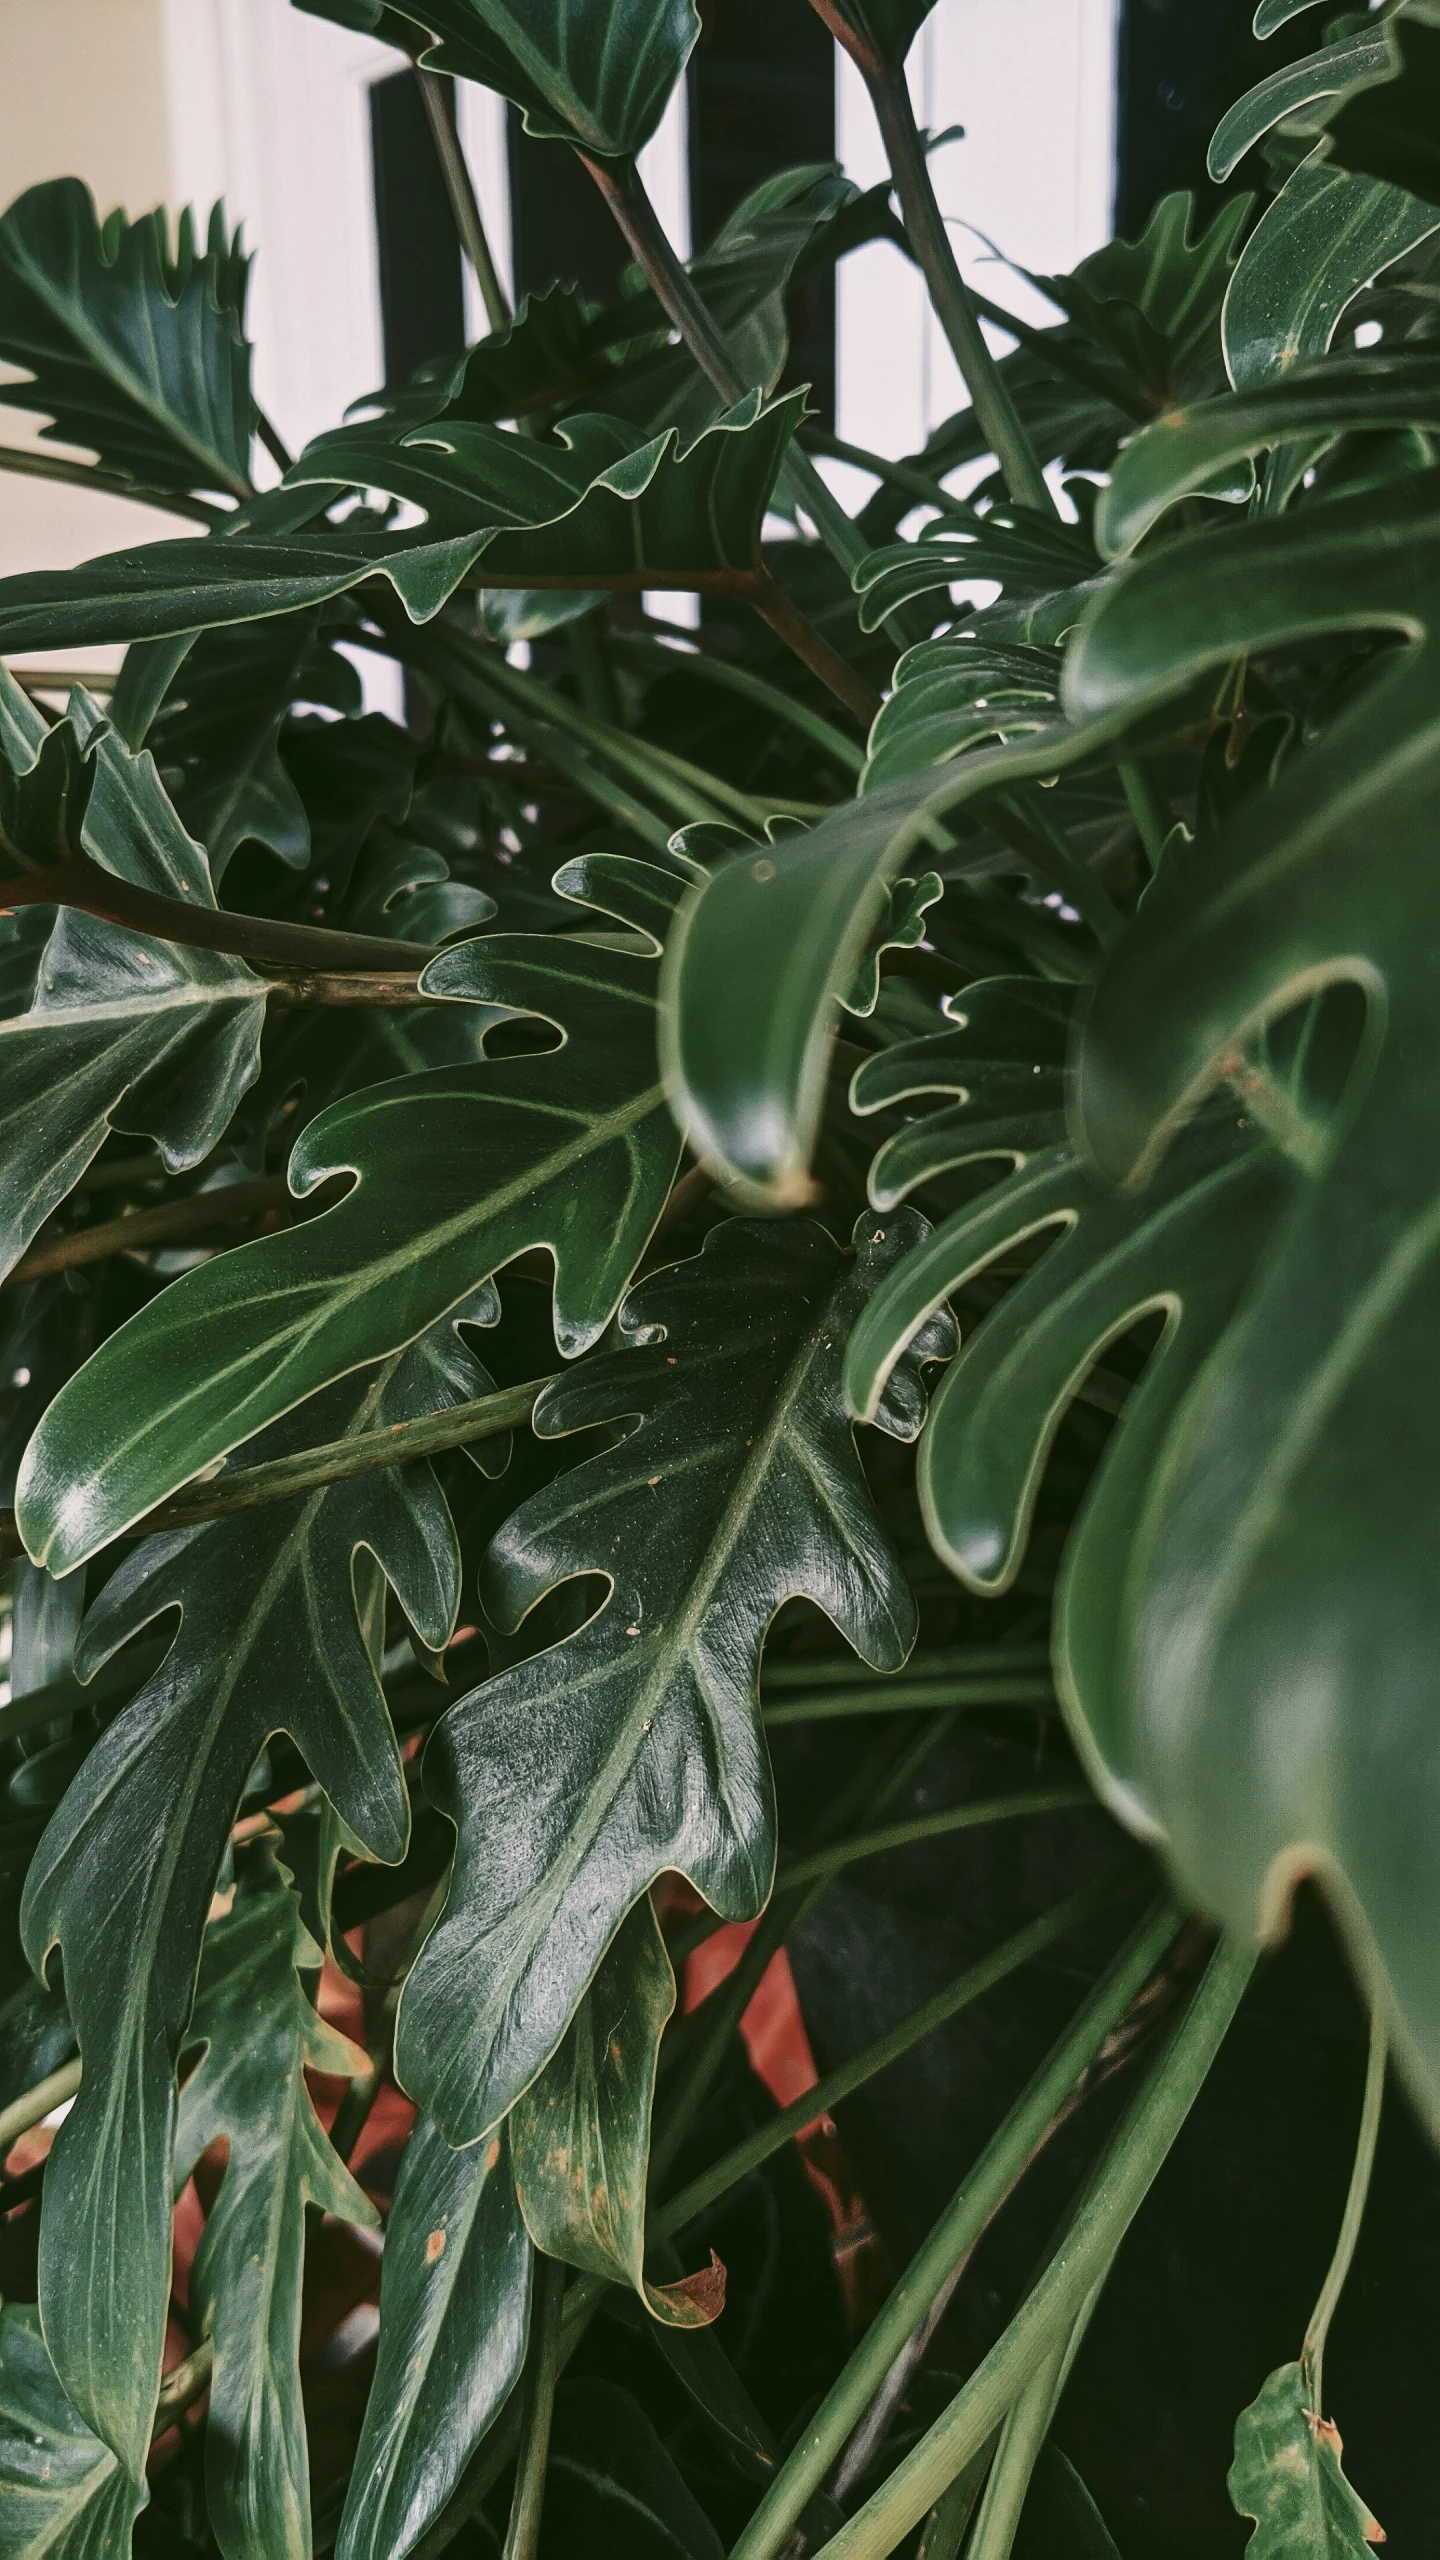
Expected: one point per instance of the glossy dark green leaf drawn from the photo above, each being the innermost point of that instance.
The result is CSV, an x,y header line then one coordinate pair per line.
x,y
1388,129
123,1033
1301,95
454,2316
580,2135
260,2033
215,736
760,953
1154,303
1280,1584
1286,2476
1342,395
459,1169
1060,2520
615,2485
63,2495
581,71
579,1776
1032,556
901,928
957,692
1327,235
133,351
271,1637
588,510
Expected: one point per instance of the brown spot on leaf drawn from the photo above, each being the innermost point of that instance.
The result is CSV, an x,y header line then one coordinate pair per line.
x,y
434,2247
493,2154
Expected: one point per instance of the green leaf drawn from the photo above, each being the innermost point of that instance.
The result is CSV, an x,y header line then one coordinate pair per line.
x,y
270,1637
1300,95
1060,2520
1280,1583
459,1169
260,2033
588,510
215,736
1032,555
1387,130
580,2135
579,1776
760,952
582,71
62,2492
1286,2475
1325,238
901,928
137,354
958,692
124,1032
454,2317
1156,302
1341,395
614,2487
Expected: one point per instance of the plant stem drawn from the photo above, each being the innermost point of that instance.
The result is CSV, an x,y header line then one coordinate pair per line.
x,y
953,2236
1021,2437
909,1694
813,649
624,192
829,2092
1152,819
673,658
297,949
935,1826
33,2105
937,1662
113,484
274,443
946,2524
182,2386
439,96
169,1222
901,475
1312,2354
930,241
1127,2170
537,2408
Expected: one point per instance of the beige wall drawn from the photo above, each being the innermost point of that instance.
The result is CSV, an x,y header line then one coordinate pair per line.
x,y
83,94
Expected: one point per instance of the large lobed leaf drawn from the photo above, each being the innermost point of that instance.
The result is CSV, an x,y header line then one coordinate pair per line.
x,y
1286,2477
458,1169
136,353
579,1776
122,1032
584,509
260,2034
272,1634
1282,1589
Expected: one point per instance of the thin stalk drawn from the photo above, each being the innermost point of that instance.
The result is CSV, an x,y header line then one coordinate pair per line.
x,y
925,226
1312,2354
1152,818
830,2092
273,441
542,2368
439,96
678,660
814,651
935,1826
905,1695
802,1671
182,2386
113,484
1128,2168
692,793
298,950
1071,360
674,288
34,2105
951,2239
169,1222
901,475
946,2524
1023,2435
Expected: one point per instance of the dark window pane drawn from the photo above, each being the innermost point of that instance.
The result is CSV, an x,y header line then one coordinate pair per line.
x,y
762,98
1182,63
422,307
559,225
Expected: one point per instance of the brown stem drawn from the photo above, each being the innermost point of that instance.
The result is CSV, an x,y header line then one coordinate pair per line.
x,y
113,484
848,686
296,949
169,1222
439,97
